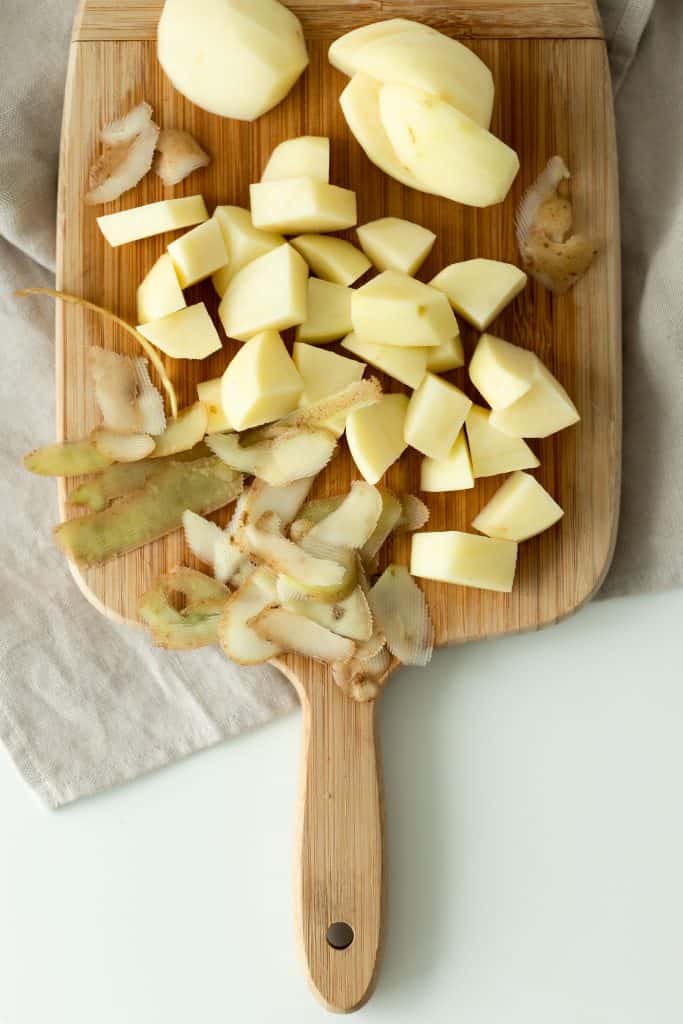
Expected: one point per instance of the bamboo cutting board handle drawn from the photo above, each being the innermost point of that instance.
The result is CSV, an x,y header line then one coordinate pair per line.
x,y
339,869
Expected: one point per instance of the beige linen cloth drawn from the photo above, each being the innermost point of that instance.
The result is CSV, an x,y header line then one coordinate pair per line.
x,y
85,704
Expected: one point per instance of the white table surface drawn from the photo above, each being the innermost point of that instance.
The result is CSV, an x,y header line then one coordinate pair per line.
x,y
535,847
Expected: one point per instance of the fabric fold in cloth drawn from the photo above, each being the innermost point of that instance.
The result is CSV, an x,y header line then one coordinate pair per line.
x,y
86,704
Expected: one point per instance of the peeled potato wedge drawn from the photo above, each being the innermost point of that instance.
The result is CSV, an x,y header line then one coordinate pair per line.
x,y
305,156
464,558
332,259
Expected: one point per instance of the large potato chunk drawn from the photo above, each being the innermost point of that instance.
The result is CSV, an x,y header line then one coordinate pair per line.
x,y
543,410
480,289
520,509
344,51
328,312
307,156
243,243
375,435
269,294
395,309
396,244
501,372
449,355
360,106
186,334
332,259
436,413
426,59
293,205
493,452
261,383
448,153
454,473
323,374
199,253
231,57
159,293
464,558
152,219
405,364
209,392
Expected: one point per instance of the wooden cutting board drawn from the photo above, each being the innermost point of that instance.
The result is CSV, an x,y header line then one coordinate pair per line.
x,y
552,96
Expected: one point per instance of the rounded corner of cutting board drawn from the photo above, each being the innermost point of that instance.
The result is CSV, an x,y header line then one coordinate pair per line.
x,y
561,102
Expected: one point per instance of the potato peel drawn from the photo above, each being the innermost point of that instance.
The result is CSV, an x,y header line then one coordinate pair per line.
x,y
296,634
149,350
202,485
400,611
67,458
197,624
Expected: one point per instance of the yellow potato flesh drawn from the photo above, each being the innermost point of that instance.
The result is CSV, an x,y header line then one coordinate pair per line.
x,y
209,392
243,243
294,205
268,294
449,355
199,253
464,558
396,244
543,410
454,473
186,334
328,312
520,509
435,416
261,383
501,372
480,289
332,259
306,156
323,374
407,365
152,219
395,309
159,292
375,435
493,452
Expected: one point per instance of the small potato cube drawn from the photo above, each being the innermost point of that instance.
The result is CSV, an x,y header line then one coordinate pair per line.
x,y
520,509
307,156
480,289
328,312
500,371
269,294
323,374
454,473
186,334
159,292
375,436
464,558
395,309
435,416
243,243
294,205
543,410
493,452
408,365
152,219
261,383
209,392
199,253
332,259
449,355
396,244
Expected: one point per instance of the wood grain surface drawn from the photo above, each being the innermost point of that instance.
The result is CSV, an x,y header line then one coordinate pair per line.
x,y
552,96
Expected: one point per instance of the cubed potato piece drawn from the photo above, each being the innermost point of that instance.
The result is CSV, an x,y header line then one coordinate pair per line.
x,y
269,294
480,289
449,355
501,372
199,253
396,244
188,333
424,58
344,51
543,410
152,219
328,312
210,393
395,309
324,374
448,153
375,436
305,157
360,106
294,205
436,413
261,383
233,58
332,259
520,509
407,365
493,452
243,243
454,473
159,292
464,558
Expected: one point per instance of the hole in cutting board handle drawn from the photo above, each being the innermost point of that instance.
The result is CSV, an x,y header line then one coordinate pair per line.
x,y
340,935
